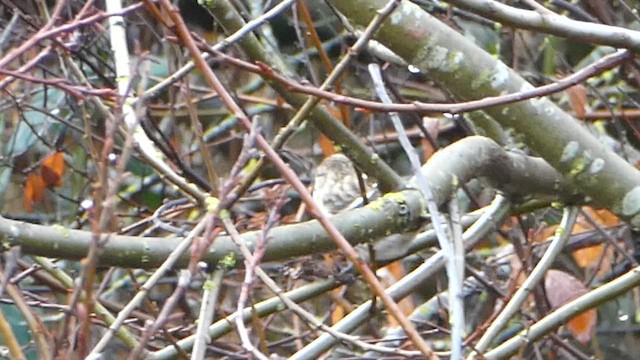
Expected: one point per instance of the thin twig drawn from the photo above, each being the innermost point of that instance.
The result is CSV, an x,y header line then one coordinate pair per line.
x,y
9,337
440,223
488,222
312,101
252,263
34,322
608,62
562,235
456,285
264,308
368,275
156,90
561,315
123,333
309,318
582,31
211,289
148,285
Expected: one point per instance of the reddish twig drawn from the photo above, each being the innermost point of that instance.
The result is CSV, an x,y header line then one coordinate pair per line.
x,y
360,264
594,69
48,31
317,43
76,91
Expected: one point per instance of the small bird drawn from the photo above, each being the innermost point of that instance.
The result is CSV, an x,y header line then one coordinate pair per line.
x,y
336,186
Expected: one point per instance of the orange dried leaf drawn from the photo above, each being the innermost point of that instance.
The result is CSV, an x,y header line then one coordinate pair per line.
x,y
602,216
388,276
34,189
396,270
562,288
588,256
578,100
326,145
542,233
582,325
335,112
52,169
431,125
337,314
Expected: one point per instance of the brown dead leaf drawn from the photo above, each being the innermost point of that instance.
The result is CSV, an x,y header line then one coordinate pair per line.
x,y
562,288
578,100
52,169
34,189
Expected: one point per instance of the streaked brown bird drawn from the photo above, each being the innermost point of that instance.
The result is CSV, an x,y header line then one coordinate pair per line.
x,y
336,185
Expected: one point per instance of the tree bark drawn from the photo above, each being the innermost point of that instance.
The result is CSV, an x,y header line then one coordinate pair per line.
x,y
468,72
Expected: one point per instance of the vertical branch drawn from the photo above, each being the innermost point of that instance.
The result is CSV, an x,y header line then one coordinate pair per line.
x,y
211,288
439,221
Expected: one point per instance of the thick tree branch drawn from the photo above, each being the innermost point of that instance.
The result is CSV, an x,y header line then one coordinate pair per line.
x,y
469,72
395,213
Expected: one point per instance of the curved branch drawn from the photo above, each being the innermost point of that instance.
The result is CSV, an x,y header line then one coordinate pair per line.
x,y
394,213
551,23
608,62
399,213
469,72
480,157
